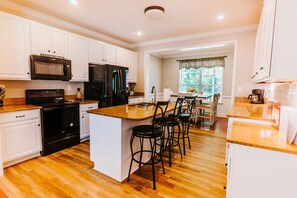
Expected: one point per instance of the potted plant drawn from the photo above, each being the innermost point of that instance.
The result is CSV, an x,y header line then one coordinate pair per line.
x,y
2,94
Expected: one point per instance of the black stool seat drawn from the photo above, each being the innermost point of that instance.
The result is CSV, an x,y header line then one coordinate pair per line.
x,y
147,131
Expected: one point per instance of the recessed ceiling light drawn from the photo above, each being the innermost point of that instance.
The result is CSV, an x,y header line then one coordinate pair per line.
x,y
203,47
73,2
139,33
220,17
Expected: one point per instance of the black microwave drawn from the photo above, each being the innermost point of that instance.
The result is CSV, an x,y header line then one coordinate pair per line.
x,y
50,68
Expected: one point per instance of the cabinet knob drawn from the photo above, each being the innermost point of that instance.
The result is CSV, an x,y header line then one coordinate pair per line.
x,y
257,73
102,59
225,187
38,125
48,50
28,73
226,164
83,116
54,52
261,68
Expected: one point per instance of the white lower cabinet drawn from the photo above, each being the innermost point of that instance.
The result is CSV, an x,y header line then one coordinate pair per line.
x,y
20,136
85,121
255,172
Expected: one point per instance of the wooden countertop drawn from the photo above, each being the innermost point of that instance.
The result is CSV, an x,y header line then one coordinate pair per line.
x,y
250,111
88,101
129,112
12,108
260,136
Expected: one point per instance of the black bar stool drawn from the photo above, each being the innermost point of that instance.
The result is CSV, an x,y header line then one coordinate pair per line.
x,y
185,118
153,133
170,123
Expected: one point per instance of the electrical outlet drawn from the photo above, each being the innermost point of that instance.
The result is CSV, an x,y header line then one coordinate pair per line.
x,y
69,87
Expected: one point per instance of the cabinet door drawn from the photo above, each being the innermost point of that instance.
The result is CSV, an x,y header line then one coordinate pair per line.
x,y
59,42
263,51
132,77
96,52
15,48
110,54
78,49
122,57
40,39
20,139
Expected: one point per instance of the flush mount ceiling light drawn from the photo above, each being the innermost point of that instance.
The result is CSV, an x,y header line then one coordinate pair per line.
x,y
73,2
154,11
220,17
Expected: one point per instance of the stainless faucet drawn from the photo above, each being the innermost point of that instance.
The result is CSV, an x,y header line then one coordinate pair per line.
x,y
155,94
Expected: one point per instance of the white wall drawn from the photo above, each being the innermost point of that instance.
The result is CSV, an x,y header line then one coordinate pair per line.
x,y
244,64
155,73
279,92
16,89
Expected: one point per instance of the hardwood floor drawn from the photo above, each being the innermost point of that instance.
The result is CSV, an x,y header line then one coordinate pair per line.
x,y
69,173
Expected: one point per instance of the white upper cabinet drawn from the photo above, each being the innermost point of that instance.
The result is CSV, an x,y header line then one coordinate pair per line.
x,y
132,61
276,42
127,58
96,52
48,40
101,53
15,48
110,54
78,54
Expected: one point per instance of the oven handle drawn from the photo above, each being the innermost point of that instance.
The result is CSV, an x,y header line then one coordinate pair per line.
x,y
45,109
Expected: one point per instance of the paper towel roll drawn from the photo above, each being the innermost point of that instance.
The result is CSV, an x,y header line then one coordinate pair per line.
x,y
166,94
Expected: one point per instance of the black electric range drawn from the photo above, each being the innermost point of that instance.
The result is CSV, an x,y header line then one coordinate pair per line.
x,y
59,118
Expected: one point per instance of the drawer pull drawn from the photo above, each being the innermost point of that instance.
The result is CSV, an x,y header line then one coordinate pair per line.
x,y
90,107
22,116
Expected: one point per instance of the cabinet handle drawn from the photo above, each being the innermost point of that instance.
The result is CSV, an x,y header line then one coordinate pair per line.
x,y
256,73
90,107
261,68
226,164
225,187
22,116
102,59
83,116
105,60
48,50
228,146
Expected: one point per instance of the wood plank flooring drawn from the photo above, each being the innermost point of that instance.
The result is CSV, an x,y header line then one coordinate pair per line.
x,y
69,173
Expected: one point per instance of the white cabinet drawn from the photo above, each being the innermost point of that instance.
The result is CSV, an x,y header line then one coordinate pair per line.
x,y
128,59
15,48
132,67
101,53
78,54
85,121
48,40
20,136
255,172
276,42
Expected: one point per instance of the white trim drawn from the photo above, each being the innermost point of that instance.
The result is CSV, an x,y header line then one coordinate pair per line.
x,y
30,13
196,36
234,71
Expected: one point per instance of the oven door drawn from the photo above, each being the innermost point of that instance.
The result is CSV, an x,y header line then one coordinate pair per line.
x,y
60,127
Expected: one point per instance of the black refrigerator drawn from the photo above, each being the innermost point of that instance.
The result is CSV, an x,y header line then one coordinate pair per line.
x,y
108,84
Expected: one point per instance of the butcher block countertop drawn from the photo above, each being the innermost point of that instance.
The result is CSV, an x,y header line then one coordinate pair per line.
x,y
260,136
250,111
12,108
129,112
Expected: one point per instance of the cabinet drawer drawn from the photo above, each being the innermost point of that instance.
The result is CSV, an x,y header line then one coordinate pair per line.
x,y
86,107
19,116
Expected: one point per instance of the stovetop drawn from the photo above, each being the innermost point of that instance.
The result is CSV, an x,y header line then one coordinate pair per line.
x,y
47,97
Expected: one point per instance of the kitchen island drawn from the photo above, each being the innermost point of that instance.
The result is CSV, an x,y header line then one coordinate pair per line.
x,y
110,132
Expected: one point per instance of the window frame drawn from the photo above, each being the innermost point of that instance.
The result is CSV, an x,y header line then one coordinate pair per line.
x,y
201,85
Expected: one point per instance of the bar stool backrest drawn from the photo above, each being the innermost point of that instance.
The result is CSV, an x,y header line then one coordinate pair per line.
x,y
191,101
162,106
178,108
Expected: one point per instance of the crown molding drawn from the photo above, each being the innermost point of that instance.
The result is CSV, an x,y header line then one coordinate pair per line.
x,y
50,19
197,36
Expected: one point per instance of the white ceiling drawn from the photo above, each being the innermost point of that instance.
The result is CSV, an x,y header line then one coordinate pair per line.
x,y
122,19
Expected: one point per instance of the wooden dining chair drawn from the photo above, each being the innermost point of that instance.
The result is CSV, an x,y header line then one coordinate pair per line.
x,y
208,111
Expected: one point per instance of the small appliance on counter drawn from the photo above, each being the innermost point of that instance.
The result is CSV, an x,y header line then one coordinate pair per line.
x,y
131,89
257,96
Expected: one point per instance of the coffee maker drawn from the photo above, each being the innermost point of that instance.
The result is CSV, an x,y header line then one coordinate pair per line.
x,y
257,96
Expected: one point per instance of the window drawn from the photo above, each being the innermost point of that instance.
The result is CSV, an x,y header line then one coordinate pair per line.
x,y
207,80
